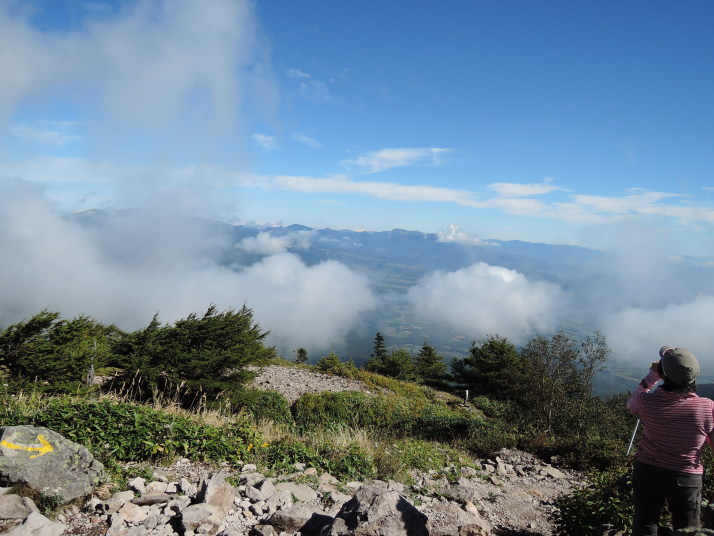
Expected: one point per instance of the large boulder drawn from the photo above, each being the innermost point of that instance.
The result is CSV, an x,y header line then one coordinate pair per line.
x,y
217,492
377,511
47,463
308,520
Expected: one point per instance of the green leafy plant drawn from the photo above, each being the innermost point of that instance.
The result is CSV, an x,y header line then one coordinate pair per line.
x,y
267,405
348,462
607,499
130,432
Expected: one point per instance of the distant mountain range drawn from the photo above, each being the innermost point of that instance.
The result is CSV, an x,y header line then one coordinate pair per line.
x,y
396,259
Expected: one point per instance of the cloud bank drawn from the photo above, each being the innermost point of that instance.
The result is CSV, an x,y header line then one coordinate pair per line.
x,y
483,300
637,333
147,261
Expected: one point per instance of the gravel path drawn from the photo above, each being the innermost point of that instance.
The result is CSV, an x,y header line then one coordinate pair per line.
x,y
293,382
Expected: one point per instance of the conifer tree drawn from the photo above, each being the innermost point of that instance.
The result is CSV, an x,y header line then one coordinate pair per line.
x,y
330,363
204,354
429,367
57,352
493,369
301,356
377,359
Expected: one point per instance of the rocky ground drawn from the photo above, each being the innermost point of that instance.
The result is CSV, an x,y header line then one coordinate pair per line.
x,y
513,503
513,493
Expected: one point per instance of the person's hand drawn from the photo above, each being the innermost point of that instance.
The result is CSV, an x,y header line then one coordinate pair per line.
x,y
654,367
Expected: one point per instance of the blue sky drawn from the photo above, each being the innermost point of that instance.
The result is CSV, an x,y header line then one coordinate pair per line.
x,y
547,121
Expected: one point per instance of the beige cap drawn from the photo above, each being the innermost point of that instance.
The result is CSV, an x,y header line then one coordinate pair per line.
x,y
679,365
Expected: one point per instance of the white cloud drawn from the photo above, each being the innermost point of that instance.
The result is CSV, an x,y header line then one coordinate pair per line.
x,y
305,306
265,141
512,189
636,333
634,203
266,243
309,88
50,133
482,300
520,206
49,169
297,73
307,140
383,159
383,190
456,235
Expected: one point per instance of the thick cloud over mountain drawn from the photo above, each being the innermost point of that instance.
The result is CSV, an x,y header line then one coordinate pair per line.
x,y
484,300
146,261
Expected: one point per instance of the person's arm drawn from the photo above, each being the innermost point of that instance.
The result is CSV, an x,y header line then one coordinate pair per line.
x,y
649,381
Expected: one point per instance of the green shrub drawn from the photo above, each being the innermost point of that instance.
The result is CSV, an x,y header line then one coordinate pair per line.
x,y
283,455
346,463
588,451
350,463
267,405
128,432
330,363
607,499
346,408
494,408
397,417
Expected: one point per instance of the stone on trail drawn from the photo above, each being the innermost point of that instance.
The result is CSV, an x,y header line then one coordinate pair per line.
x,y
374,511
47,463
450,520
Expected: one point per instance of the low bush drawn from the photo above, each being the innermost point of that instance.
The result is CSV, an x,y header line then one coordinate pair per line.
x,y
347,408
394,414
262,405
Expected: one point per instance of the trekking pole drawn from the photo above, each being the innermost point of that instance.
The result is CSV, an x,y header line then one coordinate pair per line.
x,y
632,439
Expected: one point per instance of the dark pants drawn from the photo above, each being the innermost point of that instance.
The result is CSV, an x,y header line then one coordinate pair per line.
x,y
652,486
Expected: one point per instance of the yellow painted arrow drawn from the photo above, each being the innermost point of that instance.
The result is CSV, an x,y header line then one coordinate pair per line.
x,y
43,449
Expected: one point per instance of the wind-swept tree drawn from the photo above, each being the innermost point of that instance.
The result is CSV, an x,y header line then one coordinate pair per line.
x,y
204,354
60,353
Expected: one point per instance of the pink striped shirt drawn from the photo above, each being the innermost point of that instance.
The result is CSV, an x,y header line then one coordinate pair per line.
x,y
676,426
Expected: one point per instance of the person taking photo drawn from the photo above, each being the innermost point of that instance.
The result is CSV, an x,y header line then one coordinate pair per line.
x,y
677,424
